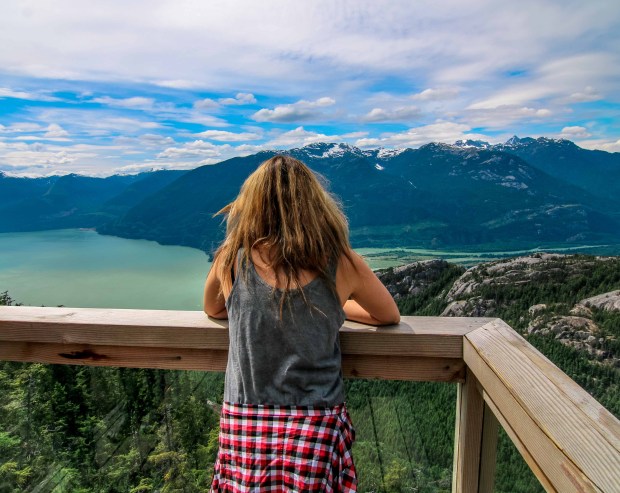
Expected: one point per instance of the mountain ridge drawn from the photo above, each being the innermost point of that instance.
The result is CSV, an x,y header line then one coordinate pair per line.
x,y
438,195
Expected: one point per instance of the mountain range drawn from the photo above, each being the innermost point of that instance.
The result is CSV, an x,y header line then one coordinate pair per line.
x,y
522,193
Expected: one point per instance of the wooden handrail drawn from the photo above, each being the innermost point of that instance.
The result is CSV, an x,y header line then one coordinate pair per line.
x,y
568,439
419,348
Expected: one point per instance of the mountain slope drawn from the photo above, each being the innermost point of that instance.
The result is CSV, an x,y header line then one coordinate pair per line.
x,y
56,202
435,195
595,171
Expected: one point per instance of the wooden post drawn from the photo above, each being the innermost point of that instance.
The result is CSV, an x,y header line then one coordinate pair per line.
x,y
488,452
467,436
475,438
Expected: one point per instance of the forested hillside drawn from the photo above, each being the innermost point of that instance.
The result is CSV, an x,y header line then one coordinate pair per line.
x,y
81,429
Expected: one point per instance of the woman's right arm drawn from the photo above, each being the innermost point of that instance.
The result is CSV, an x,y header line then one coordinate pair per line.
x,y
214,301
369,300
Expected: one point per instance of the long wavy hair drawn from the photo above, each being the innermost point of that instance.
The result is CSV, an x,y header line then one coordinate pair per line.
x,y
283,208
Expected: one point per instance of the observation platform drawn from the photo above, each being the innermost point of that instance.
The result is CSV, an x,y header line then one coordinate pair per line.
x,y
570,442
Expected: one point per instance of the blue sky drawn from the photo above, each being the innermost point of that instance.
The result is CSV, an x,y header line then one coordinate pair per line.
x,y
103,87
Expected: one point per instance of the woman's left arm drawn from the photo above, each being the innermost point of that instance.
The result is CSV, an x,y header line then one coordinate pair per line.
x,y
214,302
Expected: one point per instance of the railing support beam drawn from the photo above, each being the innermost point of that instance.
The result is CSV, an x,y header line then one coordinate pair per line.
x,y
475,437
488,451
467,436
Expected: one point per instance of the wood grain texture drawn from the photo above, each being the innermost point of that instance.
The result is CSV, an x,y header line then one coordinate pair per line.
x,y
468,436
597,415
535,468
488,451
418,369
118,356
353,366
573,452
415,336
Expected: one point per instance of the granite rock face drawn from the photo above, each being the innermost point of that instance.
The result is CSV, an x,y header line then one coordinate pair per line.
x,y
412,279
606,301
518,270
579,332
473,295
472,307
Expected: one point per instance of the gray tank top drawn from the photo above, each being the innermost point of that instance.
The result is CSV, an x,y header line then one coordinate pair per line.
x,y
292,361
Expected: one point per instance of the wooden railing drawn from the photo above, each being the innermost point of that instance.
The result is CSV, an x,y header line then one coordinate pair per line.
x,y
571,443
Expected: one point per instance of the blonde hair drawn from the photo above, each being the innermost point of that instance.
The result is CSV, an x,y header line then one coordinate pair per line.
x,y
283,207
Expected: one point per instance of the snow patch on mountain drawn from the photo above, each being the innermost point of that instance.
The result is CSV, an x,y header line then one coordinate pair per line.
x,y
388,153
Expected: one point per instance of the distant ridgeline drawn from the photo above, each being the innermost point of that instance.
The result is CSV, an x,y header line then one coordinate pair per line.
x,y
523,193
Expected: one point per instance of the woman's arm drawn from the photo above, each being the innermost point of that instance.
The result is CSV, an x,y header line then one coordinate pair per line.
x,y
214,302
369,300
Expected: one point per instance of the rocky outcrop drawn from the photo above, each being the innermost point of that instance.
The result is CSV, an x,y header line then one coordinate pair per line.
x,y
472,307
481,291
412,279
579,332
606,301
517,270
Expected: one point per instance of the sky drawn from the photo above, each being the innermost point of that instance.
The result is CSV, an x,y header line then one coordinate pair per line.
x,y
101,87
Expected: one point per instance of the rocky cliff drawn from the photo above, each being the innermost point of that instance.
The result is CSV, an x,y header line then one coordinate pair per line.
x,y
572,298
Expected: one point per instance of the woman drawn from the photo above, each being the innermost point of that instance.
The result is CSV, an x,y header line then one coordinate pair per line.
x,y
286,278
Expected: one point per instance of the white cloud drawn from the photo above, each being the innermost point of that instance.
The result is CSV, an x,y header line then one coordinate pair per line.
x,y
502,116
124,124
35,131
299,137
436,94
247,149
55,131
354,135
155,140
299,111
239,99
447,132
38,157
587,95
21,127
6,92
206,104
197,117
575,132
223,136
178,84
18,170
559,80
151,141
94,122
601,144
324,45
242,98
136,102
192,150
611,146
399,114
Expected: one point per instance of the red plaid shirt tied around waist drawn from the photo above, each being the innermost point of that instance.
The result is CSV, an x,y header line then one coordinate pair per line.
x,y
271,448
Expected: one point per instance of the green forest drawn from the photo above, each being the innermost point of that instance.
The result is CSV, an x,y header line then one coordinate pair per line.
x,y
86,429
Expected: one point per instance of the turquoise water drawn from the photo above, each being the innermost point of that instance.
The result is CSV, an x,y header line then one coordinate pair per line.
x,y
80,268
